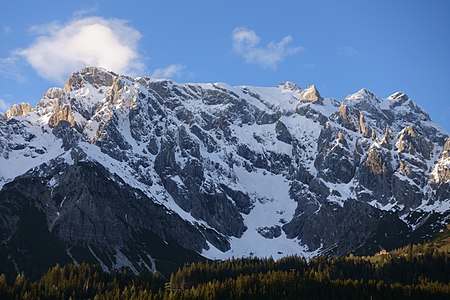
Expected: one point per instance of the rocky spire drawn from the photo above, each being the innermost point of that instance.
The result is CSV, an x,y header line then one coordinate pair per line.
x,y
375,162
409,130
362,125
345,117
343,111
386,142
403,143
18,110
374,134
341,139
446,152
310,93
404,169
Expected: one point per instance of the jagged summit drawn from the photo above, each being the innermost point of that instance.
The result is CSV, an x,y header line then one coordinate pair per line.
x,y
18,110
97,79
363,94
289,85
310,93
114,167
399,96
93,75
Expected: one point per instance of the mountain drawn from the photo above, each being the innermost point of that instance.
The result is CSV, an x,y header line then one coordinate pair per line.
x,y
149,174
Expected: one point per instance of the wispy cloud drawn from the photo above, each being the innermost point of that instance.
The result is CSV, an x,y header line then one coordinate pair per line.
x,y
9,69
4,105
59,49
45,29
348,51
168,72
246,43
85,11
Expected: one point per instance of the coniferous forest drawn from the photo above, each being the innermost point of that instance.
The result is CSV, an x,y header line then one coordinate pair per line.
x,y
412,272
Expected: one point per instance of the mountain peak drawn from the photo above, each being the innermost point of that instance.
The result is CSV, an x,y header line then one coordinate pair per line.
x,y
289,85
404,105
94,75
18,110
54,93
399,96
310,93
363,94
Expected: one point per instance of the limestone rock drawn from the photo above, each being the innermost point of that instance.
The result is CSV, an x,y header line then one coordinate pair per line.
x,y
412,142
61,113
344,116
94,75
404,169
362,126
375,162
374,135
387,139
446,150
310,93
18,110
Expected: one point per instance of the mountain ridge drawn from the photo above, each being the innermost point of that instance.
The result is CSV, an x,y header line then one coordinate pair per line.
x,y
265,171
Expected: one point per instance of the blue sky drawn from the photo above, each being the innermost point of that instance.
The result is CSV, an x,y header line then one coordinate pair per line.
x,y
340,46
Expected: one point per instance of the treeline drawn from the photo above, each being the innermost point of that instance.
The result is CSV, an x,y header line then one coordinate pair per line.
x,y
413,272
82,282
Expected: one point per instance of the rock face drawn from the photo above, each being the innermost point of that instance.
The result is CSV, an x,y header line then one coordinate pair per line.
x,y
84,215
147,174
310,94
18,110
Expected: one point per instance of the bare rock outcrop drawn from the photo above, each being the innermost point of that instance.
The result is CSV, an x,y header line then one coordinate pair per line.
x,y
310,93
18,110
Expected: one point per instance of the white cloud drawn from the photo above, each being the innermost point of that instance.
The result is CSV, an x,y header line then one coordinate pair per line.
x,y
246,44
4,105
168,72
59,50
348,51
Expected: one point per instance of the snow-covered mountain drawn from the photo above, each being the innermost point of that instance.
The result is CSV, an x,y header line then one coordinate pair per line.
x,y
150,173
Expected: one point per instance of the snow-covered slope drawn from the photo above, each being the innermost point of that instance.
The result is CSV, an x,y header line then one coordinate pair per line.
x,y
266,171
